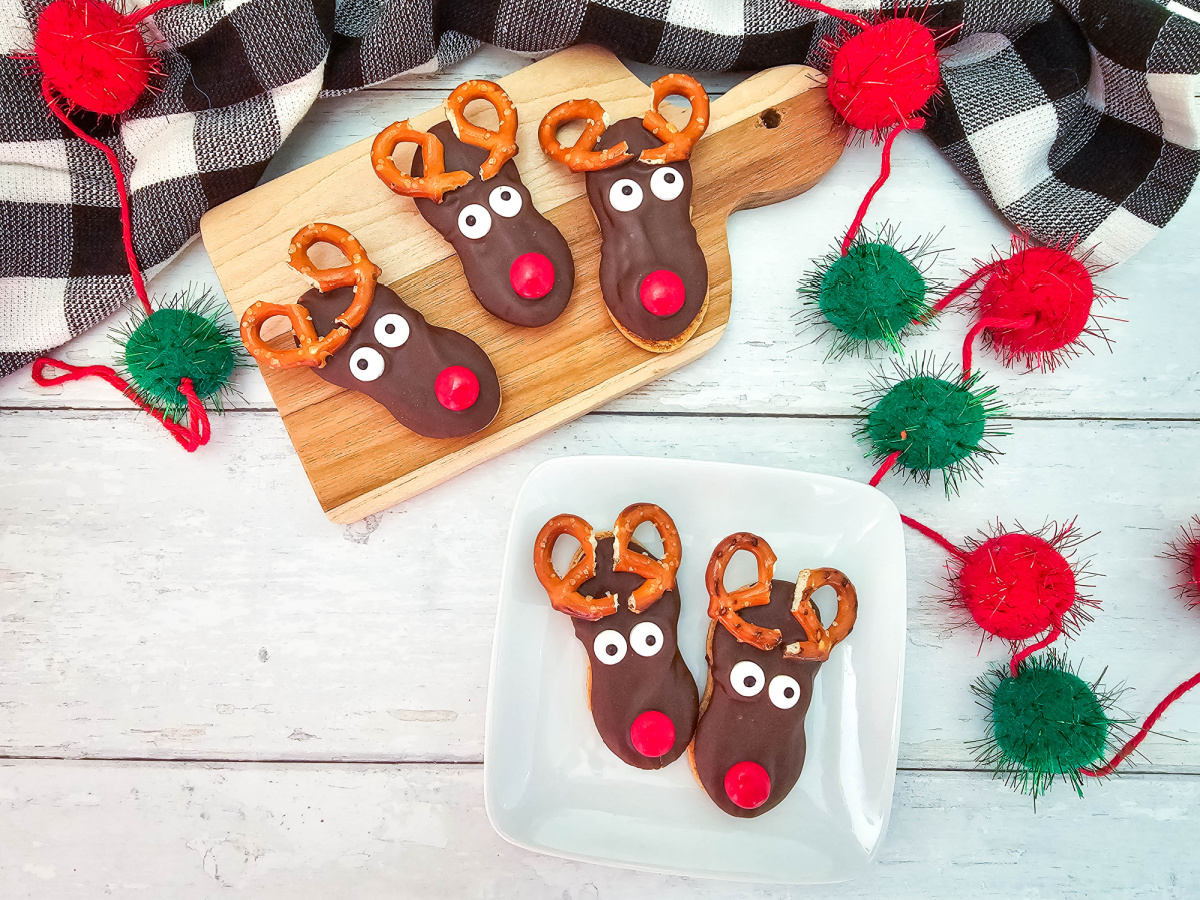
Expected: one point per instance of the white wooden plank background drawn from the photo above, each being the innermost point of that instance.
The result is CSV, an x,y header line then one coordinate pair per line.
x,y
151,610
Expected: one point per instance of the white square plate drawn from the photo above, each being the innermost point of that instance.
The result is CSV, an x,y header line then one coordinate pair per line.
x,y
550,783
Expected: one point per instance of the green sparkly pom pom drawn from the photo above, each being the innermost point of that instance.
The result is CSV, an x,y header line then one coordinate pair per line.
x,y
869,298
937,423
188,337
1045,723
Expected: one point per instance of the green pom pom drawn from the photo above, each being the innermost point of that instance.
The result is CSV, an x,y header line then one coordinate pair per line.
x,y
189,337
872,296
937,423
1045,723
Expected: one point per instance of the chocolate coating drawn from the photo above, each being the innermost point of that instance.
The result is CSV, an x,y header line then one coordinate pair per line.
x,y
623,691
405,387
657,234
734,728
487,260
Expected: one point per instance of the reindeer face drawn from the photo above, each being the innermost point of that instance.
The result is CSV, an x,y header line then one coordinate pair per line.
x,y
749,747
434,381
643,698
516,262
652,271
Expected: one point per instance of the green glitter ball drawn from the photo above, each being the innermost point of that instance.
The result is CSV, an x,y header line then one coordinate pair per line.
x,y
171,344
936,423
1049,720
872,293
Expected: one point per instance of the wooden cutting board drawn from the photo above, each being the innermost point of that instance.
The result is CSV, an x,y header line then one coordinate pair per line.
x,y
771,137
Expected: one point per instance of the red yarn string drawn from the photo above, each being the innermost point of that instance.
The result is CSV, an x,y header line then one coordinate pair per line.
x,y
964,287
944,543
887,465
1132,744
885,169
139,286
836,13
191,436
1052,635
990,322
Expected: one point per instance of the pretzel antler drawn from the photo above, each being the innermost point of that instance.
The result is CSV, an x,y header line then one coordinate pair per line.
x,y
821,640
676,144
434,183
723,605
582,157
564,591
502,144
313,351
659,573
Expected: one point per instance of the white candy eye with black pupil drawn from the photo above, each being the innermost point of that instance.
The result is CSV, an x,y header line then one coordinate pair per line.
x,y
784,691
747,678
474,221
610,647
505,201
625,195
366,364
391,330
646,638
666,183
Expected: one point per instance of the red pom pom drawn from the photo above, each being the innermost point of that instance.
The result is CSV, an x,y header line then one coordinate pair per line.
x,y
1046,285
1186,551
883,75
1017,585
92,56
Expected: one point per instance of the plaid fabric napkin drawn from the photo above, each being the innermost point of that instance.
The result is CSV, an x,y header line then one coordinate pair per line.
x,y
1077,119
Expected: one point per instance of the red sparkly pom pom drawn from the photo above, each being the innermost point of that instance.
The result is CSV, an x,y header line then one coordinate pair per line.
x,y
1186,551
1017,585
882,76
93,56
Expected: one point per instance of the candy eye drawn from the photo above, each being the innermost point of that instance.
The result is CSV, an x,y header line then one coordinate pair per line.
x,y
625,195
784,691
747,678
646,638
610,647
474,221
391,330
506,201
366,364
666,183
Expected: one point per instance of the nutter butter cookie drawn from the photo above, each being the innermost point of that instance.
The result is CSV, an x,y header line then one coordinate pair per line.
x,y
465,185
433,381
653,273
624,603
765,646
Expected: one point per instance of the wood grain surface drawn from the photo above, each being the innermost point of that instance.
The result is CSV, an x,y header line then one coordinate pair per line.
x,y
358,458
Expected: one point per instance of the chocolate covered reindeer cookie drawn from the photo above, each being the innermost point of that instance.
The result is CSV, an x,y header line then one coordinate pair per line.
x,y
625,607
765,646
653,274
433,381
465,185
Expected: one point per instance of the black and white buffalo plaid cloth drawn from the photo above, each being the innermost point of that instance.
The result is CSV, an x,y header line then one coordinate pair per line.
x,y
1078,119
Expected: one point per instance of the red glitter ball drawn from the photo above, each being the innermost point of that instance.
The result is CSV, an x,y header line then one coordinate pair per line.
x,y
1016,585
883,75
652,734
1047,284
92,56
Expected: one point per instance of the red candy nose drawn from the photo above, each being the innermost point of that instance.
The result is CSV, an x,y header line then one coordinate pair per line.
x,y
662,292
531,275
747,784
652,734
456,388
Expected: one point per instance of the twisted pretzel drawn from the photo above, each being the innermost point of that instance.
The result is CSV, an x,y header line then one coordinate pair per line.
x,y
502,144
582,157
676,144
564,592
435,181
723,605
821,640
314,350
659,573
